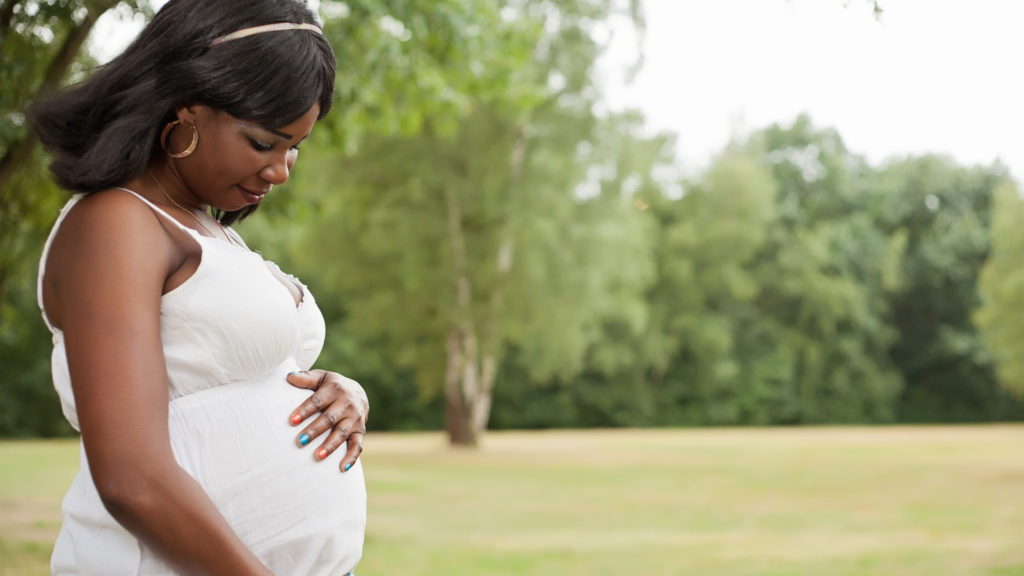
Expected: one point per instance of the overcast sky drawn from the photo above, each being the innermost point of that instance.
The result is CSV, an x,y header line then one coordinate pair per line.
x,y
929,76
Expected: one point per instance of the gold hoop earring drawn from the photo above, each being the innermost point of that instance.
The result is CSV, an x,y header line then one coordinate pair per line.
x,y
192,145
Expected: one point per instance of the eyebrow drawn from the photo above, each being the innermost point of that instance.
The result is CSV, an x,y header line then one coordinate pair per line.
x,y
275,132
279,134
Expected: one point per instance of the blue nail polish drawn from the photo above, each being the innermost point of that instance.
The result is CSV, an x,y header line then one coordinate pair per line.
x,y
347,466
304,439
292,372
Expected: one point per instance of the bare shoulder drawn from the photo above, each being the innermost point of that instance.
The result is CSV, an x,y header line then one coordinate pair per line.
x,y
109,242
110,211
112,225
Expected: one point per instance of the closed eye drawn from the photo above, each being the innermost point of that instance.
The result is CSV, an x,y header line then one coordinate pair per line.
x,y
261,146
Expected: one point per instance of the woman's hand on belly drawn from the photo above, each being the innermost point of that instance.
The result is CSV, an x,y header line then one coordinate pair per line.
x,y
343,409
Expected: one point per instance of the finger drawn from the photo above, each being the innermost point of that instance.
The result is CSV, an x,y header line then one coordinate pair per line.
x,y
355,449
334,440
305,379
316,401
327,420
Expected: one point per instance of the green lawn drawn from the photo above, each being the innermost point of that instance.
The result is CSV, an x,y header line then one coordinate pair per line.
x,y
924,501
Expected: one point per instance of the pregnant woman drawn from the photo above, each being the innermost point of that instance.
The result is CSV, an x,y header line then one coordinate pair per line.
x,y
183,357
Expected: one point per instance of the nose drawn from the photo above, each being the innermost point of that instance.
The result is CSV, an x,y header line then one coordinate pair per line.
x,y
276,171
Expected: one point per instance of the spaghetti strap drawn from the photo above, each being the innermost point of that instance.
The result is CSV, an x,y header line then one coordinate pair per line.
x,y
60,219
236,237
46,253
160,211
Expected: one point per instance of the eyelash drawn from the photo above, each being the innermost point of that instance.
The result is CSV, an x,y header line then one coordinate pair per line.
x,y
261,147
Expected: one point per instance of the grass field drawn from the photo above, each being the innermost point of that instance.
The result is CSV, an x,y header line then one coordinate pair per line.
x,y
922,501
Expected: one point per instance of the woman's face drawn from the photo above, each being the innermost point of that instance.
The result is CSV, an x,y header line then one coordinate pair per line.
x,y
236,162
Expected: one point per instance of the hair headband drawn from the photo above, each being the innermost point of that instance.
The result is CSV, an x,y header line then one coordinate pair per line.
x,y
244,32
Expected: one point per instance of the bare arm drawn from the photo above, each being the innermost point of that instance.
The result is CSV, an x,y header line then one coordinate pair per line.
x,y
110,262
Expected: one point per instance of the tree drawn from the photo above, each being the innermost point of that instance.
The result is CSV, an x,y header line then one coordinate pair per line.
x,y
786,322
1001,285
464,231
40,49
945,212
40,44
400,62
825,272
707,241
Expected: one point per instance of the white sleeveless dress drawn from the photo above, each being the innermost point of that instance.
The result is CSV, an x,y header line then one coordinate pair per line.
x,y
230,333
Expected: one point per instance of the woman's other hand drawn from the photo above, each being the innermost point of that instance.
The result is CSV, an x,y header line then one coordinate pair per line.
x,y
343,408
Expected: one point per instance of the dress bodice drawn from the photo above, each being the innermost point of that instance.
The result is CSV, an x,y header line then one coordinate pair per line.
x,y
233,320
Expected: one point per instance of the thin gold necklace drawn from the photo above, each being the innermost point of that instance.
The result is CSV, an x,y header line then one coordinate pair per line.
x,y
190,212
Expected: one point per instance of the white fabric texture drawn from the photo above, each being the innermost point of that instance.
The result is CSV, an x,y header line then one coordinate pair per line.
x,y
230,333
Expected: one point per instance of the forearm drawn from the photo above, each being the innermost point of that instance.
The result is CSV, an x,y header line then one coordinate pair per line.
x,y
168,510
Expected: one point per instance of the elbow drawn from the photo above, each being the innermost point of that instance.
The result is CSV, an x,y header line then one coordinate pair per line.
x,y
131,484
126,495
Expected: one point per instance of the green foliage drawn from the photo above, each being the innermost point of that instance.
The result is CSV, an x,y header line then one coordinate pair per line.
x,y
31,407
467,229
707,240
790,282
824,273
771,290
945,212
38,44
1002,289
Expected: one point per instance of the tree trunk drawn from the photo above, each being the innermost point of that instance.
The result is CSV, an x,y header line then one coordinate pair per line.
x,y
472,364
460,430
472,361
462,382
503,264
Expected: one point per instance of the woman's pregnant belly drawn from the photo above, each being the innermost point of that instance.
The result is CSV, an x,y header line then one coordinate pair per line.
x,y
300,516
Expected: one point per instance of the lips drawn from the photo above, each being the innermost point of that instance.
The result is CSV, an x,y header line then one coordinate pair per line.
x,y
253,196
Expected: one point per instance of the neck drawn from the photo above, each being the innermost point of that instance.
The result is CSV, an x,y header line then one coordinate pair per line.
x,y
190,210
171,188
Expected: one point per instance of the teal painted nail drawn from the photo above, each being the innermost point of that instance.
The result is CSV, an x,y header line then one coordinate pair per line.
x,y
347,466
304,439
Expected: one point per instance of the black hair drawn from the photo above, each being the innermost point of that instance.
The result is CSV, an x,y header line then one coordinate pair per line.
x,y
103,132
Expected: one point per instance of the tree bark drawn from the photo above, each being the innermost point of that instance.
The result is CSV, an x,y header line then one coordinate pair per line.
x,y
472,362
503,264
462,383
457,425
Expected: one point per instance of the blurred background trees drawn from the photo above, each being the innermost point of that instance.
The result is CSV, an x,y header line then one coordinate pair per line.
x,y
40,49
492,248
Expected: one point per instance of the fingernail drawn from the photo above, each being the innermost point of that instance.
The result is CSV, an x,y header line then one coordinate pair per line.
x,y
304,439
292,372
321,453
347,466
296,418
